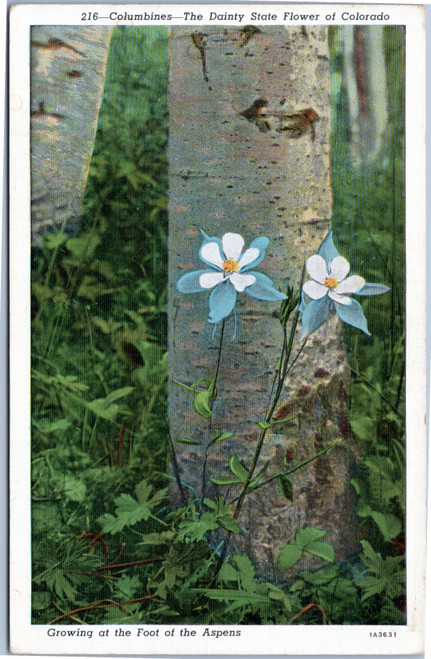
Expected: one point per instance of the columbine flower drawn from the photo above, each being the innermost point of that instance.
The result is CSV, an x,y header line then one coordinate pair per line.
x,y
330,286
230,273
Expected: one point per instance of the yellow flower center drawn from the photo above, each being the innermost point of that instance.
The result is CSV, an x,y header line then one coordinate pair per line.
x,y
230,265
331,282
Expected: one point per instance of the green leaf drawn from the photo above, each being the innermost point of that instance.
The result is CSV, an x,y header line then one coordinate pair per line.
x,y
371,586
74,489
238,469
222,437
279,595
186,387
202,402
308,535
127,585
54,240
143,491
226,481
104,408
254,481
40,600
356,484
319,577
158,539
129,511
229,523
238,598
246,571
195,530
322,550
182,386
184,440
264,425
120,393
389,525
363,509
362,427
288,557
227,573
285,487
388,577
56,426
83,248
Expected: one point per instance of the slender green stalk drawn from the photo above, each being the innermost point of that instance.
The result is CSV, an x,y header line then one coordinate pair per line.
x,y
218,359
214,394
286,473
270,413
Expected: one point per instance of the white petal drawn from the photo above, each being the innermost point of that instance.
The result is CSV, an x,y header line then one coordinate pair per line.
x,y
249,255
211,253
339,268
316,268
350,285
232,245
340,299
315,290
210,279
241,281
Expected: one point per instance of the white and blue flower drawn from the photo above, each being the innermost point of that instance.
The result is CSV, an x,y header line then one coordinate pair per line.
x,y
230,272
330,286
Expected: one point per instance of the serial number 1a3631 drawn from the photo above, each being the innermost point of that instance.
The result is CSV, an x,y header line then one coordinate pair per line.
x,y
383,634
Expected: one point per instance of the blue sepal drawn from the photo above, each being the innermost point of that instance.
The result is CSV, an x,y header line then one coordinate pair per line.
x,y
189,283
352,314
301,305
221,302
264,289
373,289
327,249
314,315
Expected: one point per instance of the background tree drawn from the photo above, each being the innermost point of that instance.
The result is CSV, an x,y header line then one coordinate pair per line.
x,y
67,72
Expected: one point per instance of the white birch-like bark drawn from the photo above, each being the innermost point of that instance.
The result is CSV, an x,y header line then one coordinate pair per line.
x,y
67,72
231,174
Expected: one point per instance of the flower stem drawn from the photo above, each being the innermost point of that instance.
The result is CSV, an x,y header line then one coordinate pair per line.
x,y
270,413
218,358
289,471
214,395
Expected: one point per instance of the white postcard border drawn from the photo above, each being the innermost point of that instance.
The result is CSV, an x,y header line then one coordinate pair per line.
x,y
352,639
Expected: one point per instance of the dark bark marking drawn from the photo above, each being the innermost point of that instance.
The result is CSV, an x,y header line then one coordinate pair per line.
x,y
56,44
198,41
247,33
41,112
74,74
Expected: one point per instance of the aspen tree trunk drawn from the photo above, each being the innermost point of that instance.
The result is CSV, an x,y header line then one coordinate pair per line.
x,y
364,78
67,72
228,173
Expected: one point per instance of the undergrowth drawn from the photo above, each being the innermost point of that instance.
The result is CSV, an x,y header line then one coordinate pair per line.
x,y
107,547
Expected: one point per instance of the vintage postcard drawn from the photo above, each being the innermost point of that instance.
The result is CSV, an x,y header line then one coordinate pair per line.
x,y
218,440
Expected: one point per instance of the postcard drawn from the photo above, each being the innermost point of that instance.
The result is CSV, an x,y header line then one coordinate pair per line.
x,y
217,308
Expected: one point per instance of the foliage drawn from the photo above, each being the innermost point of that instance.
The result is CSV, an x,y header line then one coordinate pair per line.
x,y
106,547
306,540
